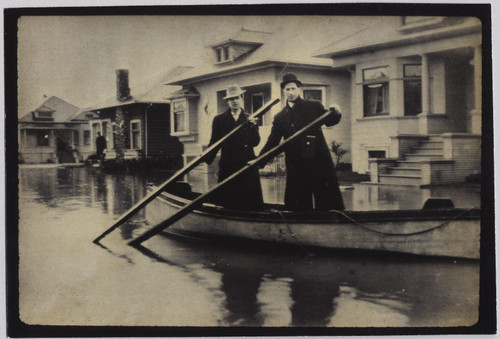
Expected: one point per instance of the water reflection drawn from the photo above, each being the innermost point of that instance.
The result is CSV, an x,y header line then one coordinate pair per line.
x,y
196,283
279,288
362,197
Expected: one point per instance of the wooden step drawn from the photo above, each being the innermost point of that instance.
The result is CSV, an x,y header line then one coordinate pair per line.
x,y
409,180
422,157
410,171
427,150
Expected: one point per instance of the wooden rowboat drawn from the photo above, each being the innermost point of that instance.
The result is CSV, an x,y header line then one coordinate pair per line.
x,y
442,231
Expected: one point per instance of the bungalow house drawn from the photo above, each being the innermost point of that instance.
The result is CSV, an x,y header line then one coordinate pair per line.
x,y
137,126
55,132
256,61
414,98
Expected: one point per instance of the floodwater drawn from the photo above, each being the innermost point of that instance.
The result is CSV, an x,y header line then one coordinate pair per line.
x,y
66,279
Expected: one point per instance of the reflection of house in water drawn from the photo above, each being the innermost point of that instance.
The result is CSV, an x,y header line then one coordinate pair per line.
x,y
55,132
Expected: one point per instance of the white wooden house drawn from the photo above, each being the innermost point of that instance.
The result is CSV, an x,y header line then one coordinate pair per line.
x,y
414,97
55,132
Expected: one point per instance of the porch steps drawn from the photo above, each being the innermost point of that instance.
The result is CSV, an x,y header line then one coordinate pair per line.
x,y
408,170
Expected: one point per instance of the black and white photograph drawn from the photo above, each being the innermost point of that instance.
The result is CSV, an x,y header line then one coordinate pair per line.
x,y
242,170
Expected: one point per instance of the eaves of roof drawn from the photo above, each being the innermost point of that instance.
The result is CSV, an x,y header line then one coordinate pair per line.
x,y
399,41
321,64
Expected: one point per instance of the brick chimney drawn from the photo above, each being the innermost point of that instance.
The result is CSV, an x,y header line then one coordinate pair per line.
x,y
122,87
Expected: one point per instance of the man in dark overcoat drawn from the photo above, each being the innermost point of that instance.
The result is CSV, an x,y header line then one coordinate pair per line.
x,y
311,181
100,144
245,192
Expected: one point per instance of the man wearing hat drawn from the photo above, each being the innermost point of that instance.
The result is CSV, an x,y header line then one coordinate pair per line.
x,y
244,192
311,181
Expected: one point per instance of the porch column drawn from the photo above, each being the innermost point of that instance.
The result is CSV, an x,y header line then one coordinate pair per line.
x,y
475,120
426,93
426,96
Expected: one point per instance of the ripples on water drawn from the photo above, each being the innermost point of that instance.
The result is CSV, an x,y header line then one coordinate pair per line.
x,y
65,279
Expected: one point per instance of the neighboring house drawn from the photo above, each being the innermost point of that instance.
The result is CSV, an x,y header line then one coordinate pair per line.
x,y
55,132
137,125
256,61
415,98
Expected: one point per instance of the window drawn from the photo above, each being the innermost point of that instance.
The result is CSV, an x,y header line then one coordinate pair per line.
x,y
105,129
76,138
315,94
179,117
135,134
115,134
376,154
258,102
412,89
42,138
222,54
86,137
376,91
43,115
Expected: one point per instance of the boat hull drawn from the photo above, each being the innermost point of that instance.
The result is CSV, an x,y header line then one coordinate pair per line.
x,y
447,233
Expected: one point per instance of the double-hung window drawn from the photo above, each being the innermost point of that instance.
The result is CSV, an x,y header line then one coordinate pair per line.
x,y
315,94
135,134
179,117
376,91
412,89
86,137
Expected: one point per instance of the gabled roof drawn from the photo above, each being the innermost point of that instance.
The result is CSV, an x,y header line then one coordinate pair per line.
x,y
389,32
269,49
62,111
153,91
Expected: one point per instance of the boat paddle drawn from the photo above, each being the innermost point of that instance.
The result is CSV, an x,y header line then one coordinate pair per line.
x,y
180,173
186,209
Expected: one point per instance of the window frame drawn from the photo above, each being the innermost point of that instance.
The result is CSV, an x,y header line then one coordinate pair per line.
x,y
185,131
139,123
382,81
76,138
407,79
87,137
253,110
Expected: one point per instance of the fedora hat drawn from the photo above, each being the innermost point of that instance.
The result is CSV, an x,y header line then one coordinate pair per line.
x,y
233,91
290,77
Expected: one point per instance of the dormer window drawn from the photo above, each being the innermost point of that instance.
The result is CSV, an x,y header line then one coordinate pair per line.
x,y
412,24
222,54
43,115
232,50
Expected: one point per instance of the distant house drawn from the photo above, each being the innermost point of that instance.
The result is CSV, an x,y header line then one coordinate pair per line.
x,y
415,98
256,61
142,118
55,132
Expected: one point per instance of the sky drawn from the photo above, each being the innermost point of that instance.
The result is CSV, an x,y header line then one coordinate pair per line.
x,y
75,57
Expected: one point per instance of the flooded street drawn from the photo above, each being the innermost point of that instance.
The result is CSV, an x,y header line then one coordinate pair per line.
x,y
66,279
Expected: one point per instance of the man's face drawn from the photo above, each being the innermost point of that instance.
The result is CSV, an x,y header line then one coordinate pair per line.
x,y
292,91
235,103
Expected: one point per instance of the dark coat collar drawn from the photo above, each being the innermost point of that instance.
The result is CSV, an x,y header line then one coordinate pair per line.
x,y
229,114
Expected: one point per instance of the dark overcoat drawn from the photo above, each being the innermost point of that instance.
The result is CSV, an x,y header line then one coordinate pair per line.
x,y
309,167
244,192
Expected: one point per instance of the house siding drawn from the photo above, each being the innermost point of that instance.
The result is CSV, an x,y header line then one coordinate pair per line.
x,y
159,142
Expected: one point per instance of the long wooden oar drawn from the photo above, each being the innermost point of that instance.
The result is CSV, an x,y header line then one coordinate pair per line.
x,y
199,200
195,162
